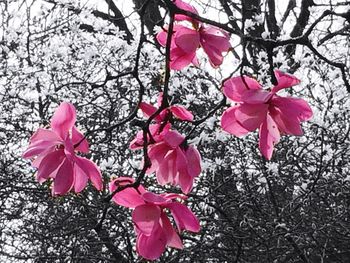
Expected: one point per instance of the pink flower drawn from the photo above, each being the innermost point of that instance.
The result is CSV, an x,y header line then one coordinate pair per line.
x,y
174,162
161,127
54,155
186,41
152,226
258,108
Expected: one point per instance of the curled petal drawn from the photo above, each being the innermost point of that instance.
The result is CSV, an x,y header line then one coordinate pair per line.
x,y
63,119
214,42
129,197
184,218
173,239
167,169
37,148
49,165
187,7
235,87
230,124
45,135
153,198
284,80
181,113
256,96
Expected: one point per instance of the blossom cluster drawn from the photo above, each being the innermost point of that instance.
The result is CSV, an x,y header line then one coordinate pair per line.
x,y
55,151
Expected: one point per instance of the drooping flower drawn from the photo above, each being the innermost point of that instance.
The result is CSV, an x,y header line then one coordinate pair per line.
x,y
185,41
263,109
54,154
152,226
173,162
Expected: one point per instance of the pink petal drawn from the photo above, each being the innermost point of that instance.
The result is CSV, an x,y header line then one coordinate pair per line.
x,y
49,165
284,80
230,124
167,169
184,179
187,39
151,247
184,218
286,124
81,179
148,110
297,108
250,116
91,169
181,113
38,148
173,138
156,153
63,119
146,218
45,135
214,42
235,87
153,198
187,7
64,178
180,59
162,37
173,239
256,96
194,160
129,197
78,137
268,137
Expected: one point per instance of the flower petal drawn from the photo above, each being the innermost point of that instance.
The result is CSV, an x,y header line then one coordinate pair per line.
x,y
194,160
49,165
268,137
186,39
63,119
250,116
173,138
129,197
235,87
167,169
78,137
184,218
173,239
181,113
284,80
151,247
64,178
230,124
81,179
91,169
146,218
256,96
187,7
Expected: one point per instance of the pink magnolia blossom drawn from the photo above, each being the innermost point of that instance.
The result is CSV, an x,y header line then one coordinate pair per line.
x,y
54,154
152,226
185,41
263,109
174,162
